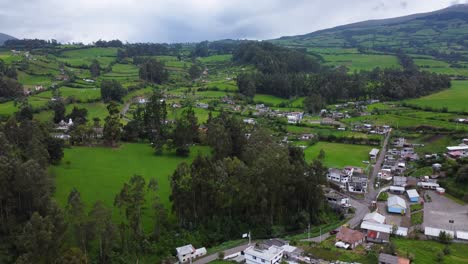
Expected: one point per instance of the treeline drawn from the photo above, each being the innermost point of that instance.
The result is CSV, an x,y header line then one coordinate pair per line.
x,y
29,44
271,59
148,49
249,183
9,86
107,44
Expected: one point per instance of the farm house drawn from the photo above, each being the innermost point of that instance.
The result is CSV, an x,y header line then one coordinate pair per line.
x,y
413,195
396,205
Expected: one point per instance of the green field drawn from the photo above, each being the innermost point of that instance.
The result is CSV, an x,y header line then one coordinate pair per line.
x,y
268,99
358,62
99,173
426,251
339,155
455,98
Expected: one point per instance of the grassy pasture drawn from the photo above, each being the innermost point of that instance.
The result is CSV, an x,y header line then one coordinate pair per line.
x,y
268,99
358,62
339,155
455,98
99,173
425,251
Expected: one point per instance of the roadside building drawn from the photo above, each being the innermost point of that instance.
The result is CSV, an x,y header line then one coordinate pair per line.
x,y
187,252
384,228
399,181
262,254
435,232
396,205
374,217
397,189
351,237
373,154
463,235
428,185
413,195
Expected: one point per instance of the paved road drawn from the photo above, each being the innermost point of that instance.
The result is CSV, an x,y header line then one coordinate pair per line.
x,y
371,195
227,252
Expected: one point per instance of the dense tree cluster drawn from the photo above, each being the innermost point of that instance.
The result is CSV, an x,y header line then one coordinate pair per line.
x,y
272,59
95,69
247,185
148,49
153,71
107,44
112,90
9,87
30,44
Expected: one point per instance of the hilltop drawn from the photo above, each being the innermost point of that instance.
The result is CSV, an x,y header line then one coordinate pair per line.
x,y
441,33
5,37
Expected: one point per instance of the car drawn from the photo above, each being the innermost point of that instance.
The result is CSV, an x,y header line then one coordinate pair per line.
x,y
333,232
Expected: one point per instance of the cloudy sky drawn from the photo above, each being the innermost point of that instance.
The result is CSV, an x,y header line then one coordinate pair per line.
x,y
192,20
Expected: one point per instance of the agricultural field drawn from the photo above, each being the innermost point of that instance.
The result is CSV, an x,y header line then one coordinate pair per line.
x,y
425,251
441,67
359,62
339,155
99,173
453,98
80,57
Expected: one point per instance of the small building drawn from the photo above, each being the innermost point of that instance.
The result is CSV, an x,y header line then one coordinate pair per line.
x,y
397,189
435,232
374,217
351,237
249,121
187,252
396,205
399,181
384,228
262,255
391,259
428,185
373,154
463,235
413,195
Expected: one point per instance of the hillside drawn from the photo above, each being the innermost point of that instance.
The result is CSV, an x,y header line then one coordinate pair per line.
x,y
442,34
5,37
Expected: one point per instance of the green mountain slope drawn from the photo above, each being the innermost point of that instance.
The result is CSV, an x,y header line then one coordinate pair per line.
x,y
5,37
442,34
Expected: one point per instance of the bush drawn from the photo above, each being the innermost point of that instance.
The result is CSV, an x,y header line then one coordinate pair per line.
x,y
221,255
383,196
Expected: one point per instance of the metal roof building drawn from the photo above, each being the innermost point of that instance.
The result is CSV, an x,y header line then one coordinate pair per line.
x,y
396,205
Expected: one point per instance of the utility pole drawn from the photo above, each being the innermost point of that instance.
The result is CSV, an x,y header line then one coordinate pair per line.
x,y
308,232
249,238
320,234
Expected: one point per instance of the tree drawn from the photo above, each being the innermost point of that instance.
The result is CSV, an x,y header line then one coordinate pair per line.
x,y
112,126
78,220
246,84
101,219
95,69
112,90
445,237
185,132
195,71
153,71
154,119
55,149
78,115
314,103
59,109
25,113
321,155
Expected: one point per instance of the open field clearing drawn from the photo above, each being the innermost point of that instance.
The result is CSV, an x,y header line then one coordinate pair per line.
x,y
99,173
425,251
339,155
358,62
454,98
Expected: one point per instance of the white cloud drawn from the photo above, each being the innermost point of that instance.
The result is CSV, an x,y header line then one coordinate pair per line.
x,y
191,20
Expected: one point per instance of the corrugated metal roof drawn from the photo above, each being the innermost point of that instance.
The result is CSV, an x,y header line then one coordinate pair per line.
x,y
431,231
395,201
401,231
462,235
375,217
412,193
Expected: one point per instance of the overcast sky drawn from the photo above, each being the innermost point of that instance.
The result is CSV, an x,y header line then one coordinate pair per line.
x,y
192,20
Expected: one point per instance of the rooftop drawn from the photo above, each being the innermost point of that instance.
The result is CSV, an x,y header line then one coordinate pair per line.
x,y
267,254
184,250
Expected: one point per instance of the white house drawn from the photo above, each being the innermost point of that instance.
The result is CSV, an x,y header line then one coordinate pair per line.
x,y
373,154
413,195
396,205
434,232
263,255
187,252
249,121
428,185
374,217
384,228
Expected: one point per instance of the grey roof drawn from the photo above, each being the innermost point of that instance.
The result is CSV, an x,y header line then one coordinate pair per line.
x,y
388,259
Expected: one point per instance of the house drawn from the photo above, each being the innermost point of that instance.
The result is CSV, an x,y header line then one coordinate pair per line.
x,y
357,183
391,259
306,136
397,189
456,152
263,254
336,199
373,154
249,121
187,252
463,235
396,205
202,105
374,217
413,195
399,181
294,117
384,228
336,175
351,237
428,185
290,252
377,237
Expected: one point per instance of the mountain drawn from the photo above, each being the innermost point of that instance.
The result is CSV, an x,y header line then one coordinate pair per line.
x,y
440,33
5,37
